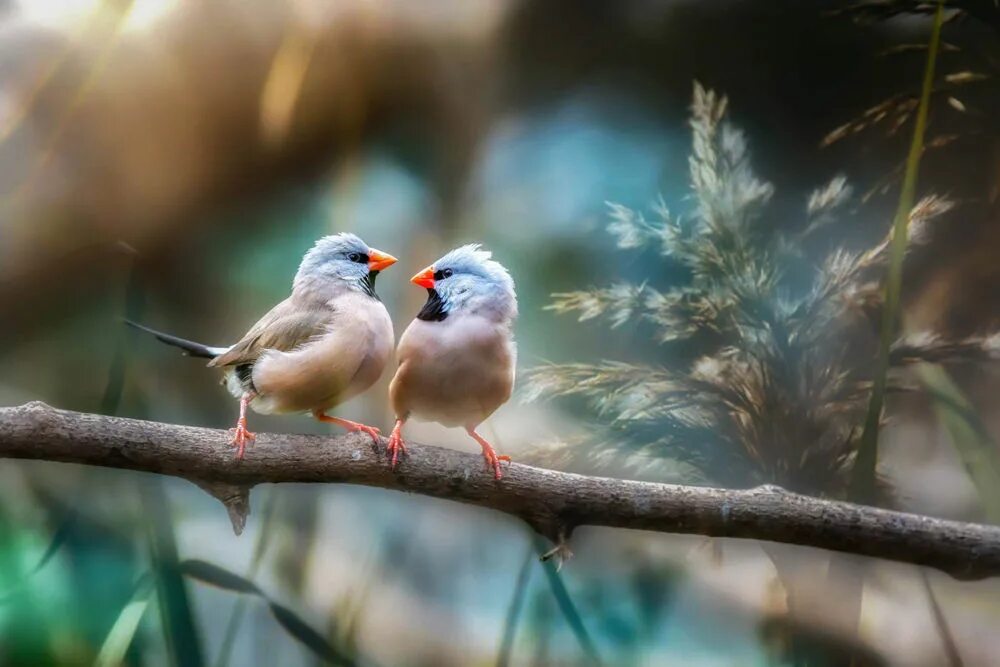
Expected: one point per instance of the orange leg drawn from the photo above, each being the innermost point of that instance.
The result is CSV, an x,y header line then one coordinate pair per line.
x,y
241,436
396,445
349,425
492,459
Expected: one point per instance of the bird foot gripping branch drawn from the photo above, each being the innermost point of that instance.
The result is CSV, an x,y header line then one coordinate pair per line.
x,y
239,434
395,446
492,458
241,437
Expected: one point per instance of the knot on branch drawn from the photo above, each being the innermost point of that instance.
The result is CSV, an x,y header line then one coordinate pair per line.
x,y
771,490
560,552
37,411
236,499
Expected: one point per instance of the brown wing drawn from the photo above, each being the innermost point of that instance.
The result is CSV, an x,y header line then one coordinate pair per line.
x,y
286,327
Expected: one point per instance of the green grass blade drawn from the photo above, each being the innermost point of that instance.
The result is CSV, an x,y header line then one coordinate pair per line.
x,y
232,630
863,481
291,622
120,636
58,539
944,632
218,576
25,631
307,636
179,627
115,387
566,605
240,610
515,609
968,434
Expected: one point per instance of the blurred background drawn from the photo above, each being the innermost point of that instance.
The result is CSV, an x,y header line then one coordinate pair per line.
x,y
173,160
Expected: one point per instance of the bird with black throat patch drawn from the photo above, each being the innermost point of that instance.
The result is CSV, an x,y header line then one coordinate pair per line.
x,y
457,358
329,341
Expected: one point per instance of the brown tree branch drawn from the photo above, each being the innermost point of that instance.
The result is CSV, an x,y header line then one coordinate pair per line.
x,y
553,503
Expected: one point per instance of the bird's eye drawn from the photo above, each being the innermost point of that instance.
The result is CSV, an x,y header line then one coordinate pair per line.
x,y
354,257
446,273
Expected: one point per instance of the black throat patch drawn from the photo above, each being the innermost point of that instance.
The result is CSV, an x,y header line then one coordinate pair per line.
x,y
368,284
433,310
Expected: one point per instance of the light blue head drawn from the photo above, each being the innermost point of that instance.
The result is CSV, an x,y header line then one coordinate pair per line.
x,y
467,280
341,260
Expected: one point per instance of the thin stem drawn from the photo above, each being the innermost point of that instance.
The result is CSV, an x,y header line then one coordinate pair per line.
x,y
516,608
941,623
863,482
259,549
566,605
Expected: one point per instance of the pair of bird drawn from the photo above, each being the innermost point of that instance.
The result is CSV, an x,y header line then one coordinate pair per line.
x,y
332,338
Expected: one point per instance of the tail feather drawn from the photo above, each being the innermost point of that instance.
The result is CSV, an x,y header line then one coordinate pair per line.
x,y
190,347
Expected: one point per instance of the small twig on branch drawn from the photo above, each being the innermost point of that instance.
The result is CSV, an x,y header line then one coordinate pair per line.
x,y
553,503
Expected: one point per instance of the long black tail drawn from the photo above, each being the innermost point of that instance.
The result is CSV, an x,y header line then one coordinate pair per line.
x,y
190,347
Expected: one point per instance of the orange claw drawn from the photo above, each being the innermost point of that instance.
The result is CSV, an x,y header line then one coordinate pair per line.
x,y
492,458
241,437
396,446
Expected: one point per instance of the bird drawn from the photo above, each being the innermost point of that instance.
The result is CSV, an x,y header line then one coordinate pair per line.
x,y
329,341
456,360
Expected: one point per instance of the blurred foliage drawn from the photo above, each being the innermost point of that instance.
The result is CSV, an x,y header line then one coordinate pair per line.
x,y
970,436
779,342
863,482
566,604
180,628
267,530
122,633
219,139
289,620
961,143
516,608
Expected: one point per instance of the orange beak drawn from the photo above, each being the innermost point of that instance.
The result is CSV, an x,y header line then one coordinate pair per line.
x,y
378,260
425,278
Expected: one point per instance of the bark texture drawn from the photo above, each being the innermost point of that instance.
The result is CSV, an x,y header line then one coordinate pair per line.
x,y
552,502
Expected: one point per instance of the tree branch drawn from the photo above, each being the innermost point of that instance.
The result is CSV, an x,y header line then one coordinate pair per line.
x,y
553,503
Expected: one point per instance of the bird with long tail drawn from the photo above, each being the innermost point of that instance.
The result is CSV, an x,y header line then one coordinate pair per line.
x,y
329,341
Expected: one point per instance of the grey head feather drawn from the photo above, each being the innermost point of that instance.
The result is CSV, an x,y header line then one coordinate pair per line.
x,y
329,266
471,281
